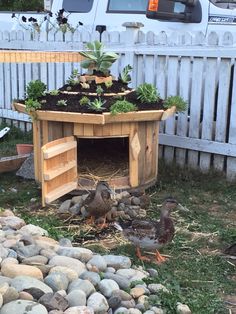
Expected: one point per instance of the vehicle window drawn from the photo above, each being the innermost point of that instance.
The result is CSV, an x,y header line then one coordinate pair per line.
x,y
16,5
82,6
128,6
225,4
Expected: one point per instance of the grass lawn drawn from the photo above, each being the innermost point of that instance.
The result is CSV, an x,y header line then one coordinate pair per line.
x,y
197,273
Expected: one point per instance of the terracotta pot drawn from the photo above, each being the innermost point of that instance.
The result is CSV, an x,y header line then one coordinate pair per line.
x,y
24,148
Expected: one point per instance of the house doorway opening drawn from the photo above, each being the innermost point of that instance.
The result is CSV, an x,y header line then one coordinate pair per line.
x,y
103,159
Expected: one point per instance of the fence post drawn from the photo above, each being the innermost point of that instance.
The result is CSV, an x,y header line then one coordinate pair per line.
x,y
131,38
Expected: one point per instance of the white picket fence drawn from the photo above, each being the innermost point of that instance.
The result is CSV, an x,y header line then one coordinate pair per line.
x,y
198,68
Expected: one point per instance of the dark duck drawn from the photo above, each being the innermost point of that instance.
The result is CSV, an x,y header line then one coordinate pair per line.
x,y
99,202
151,235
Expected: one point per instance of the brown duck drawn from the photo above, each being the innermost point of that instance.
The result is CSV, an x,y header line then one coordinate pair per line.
x,y
99,203
152,235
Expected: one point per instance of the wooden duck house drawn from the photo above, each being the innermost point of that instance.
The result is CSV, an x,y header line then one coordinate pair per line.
x,y
60,137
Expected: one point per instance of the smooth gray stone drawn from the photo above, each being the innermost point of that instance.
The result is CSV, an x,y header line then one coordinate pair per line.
x,y
93,277
57,281
23,307
84,285
117,261
54,301
123,282
76,298
21,283
99,262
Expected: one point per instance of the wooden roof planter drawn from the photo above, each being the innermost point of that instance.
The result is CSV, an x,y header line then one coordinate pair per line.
x,y
103,118
57,135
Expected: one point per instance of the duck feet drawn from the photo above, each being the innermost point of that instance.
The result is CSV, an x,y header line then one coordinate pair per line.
x,y
90,220
140,256
159,258
103,224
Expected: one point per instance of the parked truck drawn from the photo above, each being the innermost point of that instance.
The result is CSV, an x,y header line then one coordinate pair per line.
x,y
167,15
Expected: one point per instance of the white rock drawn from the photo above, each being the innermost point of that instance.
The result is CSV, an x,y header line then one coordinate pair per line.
x,y
117,261
22,307
107,286
98,303
21,283
98,261
79,310
76,298
70,273
183,309
70,262
33,230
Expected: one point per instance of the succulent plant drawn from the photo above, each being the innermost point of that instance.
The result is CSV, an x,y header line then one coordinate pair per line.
x,y
97,59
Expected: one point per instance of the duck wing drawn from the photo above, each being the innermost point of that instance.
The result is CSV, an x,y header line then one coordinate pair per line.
x,y
165,230
141,229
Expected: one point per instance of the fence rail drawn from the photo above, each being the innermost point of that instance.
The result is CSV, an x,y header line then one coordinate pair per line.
x,y
198,68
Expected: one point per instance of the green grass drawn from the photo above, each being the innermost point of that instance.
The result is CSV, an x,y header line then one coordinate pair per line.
x,y
196,273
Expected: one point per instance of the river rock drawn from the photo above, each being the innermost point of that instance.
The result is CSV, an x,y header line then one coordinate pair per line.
x,y
121,310
79,310
76,298
37,259
156,287
3,251
9,260
14,270
10,295
25,282
117,261
33,230
70,262
136,292
13,222
57,281
75,252
54,301
65,242
27,251
64,207
23,307
25,296
98,261
183,309
46,243
84,285
123,282
93,277
70,273
98,303
107,286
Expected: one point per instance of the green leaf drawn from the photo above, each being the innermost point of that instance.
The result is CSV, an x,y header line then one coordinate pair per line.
x,y
85,64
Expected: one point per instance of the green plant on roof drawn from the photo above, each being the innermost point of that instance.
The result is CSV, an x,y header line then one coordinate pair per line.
x,y
97,59
84,101
99,90
62,102
124,76
97,104
73,79
147,93
108,84
31,105
122,106
35,89
54,92
177,101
